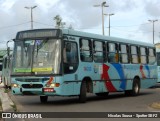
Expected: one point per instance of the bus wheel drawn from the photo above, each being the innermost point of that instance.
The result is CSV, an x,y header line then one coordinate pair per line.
x,y
83,92
43,99
136,87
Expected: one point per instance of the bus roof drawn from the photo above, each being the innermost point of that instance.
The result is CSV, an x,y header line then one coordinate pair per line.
x,y
96,36
93,36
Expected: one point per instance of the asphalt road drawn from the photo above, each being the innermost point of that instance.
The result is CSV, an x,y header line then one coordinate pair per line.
x,y
115,102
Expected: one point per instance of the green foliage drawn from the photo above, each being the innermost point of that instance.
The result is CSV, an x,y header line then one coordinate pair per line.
x,y
59,22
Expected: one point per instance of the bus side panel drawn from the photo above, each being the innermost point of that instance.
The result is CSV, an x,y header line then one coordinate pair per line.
x,y
70,85
158,71
67,88
150,76
118,74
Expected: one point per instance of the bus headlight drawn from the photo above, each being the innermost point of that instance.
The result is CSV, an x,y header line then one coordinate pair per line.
x,y
15,85
53,85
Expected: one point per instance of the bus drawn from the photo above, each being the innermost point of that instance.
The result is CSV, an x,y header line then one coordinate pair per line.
x,y
1,69
0,73
6,71
158,60
2,53
65,62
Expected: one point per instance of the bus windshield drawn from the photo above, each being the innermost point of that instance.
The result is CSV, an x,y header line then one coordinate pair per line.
x,y
39,56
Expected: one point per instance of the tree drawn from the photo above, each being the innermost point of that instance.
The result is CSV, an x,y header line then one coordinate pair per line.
x,y
70,27
59,23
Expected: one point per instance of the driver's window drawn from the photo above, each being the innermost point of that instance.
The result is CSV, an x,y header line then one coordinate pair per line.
x,y
70,57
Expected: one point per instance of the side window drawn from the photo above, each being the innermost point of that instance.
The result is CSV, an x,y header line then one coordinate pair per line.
x,y
86,50
98,51
134,54
123,50
151,57
143,57
113,56
70,54
70,57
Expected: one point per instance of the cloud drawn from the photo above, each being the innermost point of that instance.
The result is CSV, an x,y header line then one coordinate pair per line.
x,y
152,8
81,14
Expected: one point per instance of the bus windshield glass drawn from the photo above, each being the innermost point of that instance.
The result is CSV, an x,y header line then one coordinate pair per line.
x,y
39,56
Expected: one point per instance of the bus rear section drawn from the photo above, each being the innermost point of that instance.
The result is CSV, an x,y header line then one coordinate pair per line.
x,y
158,64
0,72
6,70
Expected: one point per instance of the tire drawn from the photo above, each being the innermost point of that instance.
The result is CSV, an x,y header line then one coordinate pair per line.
x,y
43,99
83,93
135,88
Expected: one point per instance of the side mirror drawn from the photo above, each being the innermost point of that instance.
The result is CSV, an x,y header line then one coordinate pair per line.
x,y
8,51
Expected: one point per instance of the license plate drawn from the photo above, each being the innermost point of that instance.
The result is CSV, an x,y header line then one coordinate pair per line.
x,y
48,89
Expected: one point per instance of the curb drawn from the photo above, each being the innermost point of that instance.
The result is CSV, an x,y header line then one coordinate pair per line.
x,y
7,103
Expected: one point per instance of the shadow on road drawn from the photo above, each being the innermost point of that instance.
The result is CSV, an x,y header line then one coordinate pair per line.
x,y
90,98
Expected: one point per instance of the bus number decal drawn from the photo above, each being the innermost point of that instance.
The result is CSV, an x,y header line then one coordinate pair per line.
x,y
87,68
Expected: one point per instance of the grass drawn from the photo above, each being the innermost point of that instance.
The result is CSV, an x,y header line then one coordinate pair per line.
x,y
6,90
155,105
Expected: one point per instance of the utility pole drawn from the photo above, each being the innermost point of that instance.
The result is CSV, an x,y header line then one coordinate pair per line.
x,y
32,7
103,4
109,26
153,27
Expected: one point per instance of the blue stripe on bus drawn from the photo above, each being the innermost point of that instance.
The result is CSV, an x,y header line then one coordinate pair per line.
x,y
146,66
121,75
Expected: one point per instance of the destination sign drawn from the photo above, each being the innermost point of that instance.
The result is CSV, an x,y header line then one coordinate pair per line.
x,y
38,33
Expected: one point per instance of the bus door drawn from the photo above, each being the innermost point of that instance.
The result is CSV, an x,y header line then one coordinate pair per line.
x,y
70,65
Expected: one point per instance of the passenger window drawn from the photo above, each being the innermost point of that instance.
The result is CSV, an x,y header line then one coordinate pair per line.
x,y
134,54
123,50
152,58
98,51
86,50
143,57
113,56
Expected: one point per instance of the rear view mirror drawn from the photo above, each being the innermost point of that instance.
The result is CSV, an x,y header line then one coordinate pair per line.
x,y
8,51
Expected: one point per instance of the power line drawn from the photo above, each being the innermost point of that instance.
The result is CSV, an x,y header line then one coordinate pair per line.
x,y
132,25
126,31
5,27
42,23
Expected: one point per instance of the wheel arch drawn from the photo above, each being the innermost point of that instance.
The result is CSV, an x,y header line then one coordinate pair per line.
x,y
89,84
138,79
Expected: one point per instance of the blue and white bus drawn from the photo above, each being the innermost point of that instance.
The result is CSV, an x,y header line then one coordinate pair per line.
x,y
0,73
6,69
158,60
63,62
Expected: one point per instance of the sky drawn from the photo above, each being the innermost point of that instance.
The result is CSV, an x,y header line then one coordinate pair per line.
x,y
130,19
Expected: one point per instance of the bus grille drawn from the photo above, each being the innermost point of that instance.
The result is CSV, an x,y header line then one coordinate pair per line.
x,y
32,85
